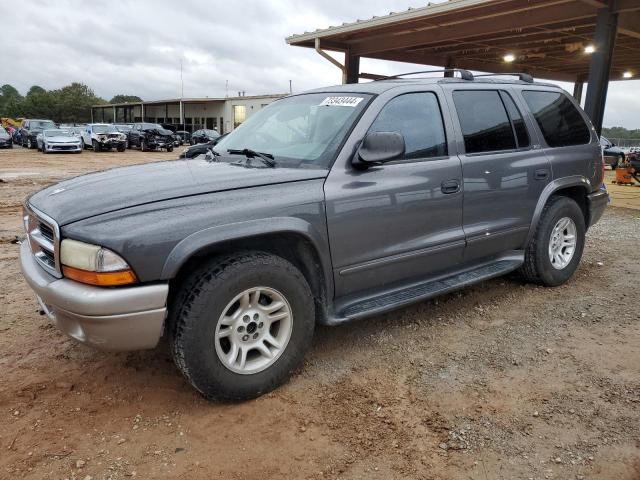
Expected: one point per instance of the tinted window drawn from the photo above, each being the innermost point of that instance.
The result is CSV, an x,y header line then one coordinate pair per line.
x,y
516,119
484,122
558,118
418,118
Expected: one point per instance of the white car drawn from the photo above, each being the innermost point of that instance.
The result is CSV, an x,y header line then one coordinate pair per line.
x,y
58,140
103,136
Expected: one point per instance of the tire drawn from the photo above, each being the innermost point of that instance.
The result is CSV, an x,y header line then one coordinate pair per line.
x,y
127,145
538,267
169,149
30,143
143,145
95,145
121,148
196,314
82,145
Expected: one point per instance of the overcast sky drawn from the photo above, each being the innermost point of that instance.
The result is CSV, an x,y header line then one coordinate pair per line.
x,y
135,47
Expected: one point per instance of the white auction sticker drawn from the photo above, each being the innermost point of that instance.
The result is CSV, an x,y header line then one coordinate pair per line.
x,y
341,101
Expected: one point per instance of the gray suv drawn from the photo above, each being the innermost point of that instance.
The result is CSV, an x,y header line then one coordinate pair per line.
x,y
325,207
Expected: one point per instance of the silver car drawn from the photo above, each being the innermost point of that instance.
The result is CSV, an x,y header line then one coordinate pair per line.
x,y
58,141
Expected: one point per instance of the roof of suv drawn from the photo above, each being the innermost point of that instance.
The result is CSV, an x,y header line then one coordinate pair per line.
x,y
379,86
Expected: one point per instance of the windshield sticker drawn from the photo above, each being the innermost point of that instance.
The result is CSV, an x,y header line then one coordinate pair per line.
x,y
341,101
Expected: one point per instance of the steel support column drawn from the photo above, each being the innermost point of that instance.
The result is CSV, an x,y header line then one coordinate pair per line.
x,y
578,88
600,66
182,115
352,68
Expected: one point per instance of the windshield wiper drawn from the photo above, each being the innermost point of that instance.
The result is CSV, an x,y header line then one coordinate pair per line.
x,y
267,158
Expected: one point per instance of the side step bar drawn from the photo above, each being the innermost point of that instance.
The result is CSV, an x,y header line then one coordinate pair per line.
x,y
422,291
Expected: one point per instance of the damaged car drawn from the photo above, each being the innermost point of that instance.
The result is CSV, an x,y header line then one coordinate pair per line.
x,y
150,136
103,136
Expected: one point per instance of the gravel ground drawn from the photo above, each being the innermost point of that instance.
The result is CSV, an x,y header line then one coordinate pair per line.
x,y
499,381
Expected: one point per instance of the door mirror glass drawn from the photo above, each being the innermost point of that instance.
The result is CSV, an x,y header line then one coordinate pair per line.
x,y
378,147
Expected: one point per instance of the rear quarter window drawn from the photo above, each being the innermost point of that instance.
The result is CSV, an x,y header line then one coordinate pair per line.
x,y
559,120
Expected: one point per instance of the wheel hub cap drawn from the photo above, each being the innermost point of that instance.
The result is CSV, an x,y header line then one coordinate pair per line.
x,y
562,244
253,330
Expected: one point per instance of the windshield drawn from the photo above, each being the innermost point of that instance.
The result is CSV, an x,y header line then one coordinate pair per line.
x,y
300,131
104,129
57,133
41,124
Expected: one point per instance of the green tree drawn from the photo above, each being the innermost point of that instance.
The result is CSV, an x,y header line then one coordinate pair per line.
x,y
73,103
10,100
125,99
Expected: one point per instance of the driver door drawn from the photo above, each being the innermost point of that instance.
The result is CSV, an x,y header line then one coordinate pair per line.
x,y
400,221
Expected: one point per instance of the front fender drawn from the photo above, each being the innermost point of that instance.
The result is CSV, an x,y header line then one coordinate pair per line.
x,y
209,237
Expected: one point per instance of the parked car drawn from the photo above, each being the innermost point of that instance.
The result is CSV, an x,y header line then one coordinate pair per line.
x,y
17,136
103,136
5,138
613,155
77,130
325,207
201,148
150,136
58,140
124,128
203,136
31,128
185,137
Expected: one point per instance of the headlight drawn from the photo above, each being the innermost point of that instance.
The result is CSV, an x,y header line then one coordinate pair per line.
x,y
94,265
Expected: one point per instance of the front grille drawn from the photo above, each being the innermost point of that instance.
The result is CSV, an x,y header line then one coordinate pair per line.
x,y
44,239
46,230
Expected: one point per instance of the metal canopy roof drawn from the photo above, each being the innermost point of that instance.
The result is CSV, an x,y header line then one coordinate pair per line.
x,y
547,37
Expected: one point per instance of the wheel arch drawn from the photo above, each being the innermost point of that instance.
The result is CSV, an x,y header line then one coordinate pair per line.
x,y
575,187
293,239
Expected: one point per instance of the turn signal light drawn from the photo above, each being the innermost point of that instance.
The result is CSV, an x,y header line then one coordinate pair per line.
x,y
100,279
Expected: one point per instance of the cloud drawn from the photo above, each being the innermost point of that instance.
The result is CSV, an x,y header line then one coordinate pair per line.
x,y
135,47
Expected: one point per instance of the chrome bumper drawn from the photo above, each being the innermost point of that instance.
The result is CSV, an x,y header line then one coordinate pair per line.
x,y
130,318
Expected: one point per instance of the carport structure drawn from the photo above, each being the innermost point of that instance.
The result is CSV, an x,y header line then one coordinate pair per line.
x,y
594,41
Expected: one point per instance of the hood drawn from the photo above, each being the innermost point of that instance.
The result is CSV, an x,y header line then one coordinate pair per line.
x,y
97,193
158,131
62,139
5,136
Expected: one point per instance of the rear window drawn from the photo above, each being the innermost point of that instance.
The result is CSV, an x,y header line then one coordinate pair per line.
x,y
484,121
558,118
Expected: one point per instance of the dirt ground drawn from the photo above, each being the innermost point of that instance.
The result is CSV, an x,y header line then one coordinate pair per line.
x,y
499,381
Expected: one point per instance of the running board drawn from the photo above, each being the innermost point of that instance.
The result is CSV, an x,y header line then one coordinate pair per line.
x,y
422,291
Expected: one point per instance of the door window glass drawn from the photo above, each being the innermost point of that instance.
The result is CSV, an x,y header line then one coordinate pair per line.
x,y
418,118
522,136
484,121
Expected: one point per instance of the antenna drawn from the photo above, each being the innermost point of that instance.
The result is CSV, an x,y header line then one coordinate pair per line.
x,y
290,88
226,86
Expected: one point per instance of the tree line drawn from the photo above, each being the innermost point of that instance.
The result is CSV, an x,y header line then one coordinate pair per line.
x,y
621,133
69,104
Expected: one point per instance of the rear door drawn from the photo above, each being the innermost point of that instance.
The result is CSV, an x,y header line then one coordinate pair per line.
x,y
402,220
504,169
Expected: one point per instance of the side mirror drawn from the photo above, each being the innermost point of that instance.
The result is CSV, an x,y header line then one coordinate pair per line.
x,y
379,147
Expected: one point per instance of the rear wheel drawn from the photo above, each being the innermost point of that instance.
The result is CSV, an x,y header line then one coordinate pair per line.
x,y
240,325
555,250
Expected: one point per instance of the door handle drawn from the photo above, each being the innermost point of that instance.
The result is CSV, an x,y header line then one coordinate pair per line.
x,y
450,186
541,174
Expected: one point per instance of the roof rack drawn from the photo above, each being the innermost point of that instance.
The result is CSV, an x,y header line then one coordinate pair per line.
x,y
464,74
523,77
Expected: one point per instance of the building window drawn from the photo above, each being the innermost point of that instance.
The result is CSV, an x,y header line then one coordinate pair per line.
x,y
239,115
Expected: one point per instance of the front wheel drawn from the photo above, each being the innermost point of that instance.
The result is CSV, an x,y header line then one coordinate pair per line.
x,y
169,149
241,324
143,145
554,252
96,146
29,143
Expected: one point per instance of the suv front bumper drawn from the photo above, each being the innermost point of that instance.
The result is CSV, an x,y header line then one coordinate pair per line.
x,y
130,318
